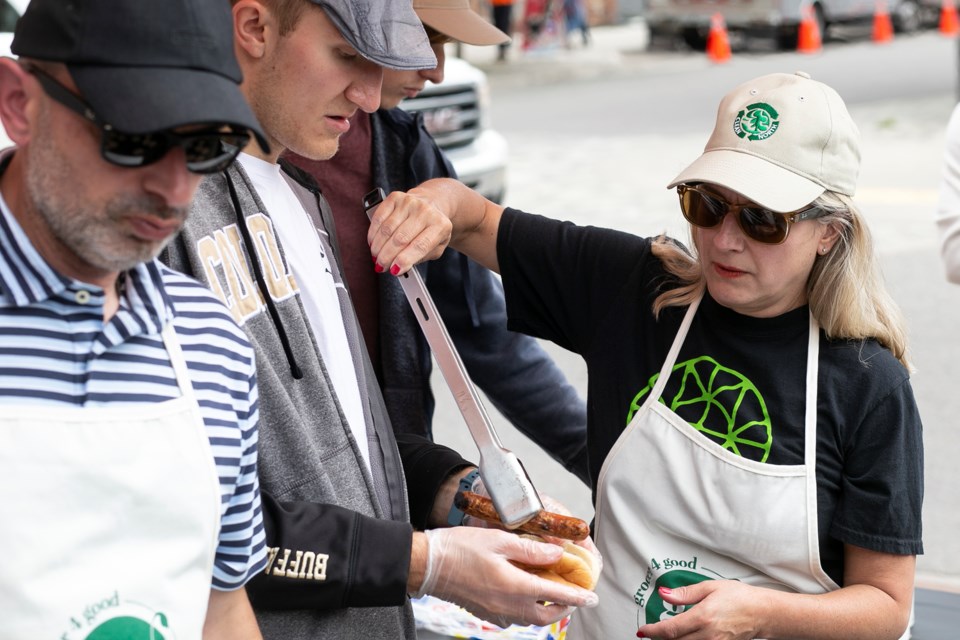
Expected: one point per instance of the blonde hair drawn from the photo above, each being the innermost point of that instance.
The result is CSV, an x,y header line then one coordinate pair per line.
x,y
845,289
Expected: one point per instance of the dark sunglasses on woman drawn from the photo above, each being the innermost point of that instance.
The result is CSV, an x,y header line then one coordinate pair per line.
x,y
207,151
704,208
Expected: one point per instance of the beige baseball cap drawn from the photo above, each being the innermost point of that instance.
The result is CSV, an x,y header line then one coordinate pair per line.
x,y
780,140
455,18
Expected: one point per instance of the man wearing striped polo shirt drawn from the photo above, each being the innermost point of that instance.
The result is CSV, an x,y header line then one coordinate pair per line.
x,y
128,398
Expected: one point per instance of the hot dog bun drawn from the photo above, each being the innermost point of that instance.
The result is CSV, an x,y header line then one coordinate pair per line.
x,y
576,566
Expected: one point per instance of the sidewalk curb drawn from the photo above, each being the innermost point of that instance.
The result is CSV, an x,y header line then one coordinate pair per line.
x,y
606,53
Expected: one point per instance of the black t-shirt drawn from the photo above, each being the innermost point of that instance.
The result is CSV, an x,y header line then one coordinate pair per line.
x,y
740,380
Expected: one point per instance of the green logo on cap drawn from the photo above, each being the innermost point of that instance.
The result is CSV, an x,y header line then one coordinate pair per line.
x,y
757,122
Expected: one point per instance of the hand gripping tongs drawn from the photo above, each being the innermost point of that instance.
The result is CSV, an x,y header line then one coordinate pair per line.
x,y
510,488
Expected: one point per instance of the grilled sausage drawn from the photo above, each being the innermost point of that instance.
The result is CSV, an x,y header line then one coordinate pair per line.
x,y
544,523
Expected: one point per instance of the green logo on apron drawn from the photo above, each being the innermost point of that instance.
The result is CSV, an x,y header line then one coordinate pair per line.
x,y
657,609
130,628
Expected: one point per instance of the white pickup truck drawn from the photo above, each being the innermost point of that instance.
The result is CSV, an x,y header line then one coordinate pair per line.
x,y
457,114
690,19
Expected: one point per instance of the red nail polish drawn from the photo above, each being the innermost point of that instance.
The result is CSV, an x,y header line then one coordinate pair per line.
x,y
394,270
374,259
378,268
640,634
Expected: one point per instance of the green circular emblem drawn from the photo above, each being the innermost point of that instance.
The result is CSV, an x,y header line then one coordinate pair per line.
x,y
130,628
758,121
657,609
719,402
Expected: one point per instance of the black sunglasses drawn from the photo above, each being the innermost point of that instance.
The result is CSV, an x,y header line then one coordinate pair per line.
x,y
706,209
206,151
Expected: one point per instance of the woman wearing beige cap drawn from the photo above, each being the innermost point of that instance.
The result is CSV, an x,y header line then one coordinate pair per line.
x,y
754,441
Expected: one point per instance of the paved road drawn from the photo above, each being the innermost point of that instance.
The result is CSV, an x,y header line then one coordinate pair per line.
x,y
572,158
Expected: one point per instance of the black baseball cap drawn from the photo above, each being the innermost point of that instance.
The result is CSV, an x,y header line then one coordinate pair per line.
x,y
144,65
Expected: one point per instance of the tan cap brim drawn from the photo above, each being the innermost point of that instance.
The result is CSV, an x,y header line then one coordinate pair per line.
x,y
755,178
461,24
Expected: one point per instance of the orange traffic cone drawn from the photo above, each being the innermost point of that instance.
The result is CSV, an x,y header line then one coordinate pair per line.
x,y
882,25
718,44
809,38
949,24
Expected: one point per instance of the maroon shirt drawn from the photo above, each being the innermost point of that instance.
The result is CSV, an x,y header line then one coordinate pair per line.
x,y
344,180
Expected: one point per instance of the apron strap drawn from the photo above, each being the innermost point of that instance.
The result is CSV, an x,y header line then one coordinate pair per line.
x,y
810,457
671,358
810,421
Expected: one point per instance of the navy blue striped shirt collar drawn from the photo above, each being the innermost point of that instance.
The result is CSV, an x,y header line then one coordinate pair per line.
x,y
26,278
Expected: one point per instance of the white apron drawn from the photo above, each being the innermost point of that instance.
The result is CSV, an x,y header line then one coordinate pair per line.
x,y
110,519
674,508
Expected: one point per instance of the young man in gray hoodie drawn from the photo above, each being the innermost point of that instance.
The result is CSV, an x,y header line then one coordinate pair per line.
x,y
392,149
343,550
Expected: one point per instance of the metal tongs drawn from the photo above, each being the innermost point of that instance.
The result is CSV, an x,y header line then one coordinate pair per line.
x,y
513,494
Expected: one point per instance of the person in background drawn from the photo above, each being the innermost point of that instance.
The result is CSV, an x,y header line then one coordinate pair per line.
x,y
342,495
947,215
741,492
128,397
390,148
575,14
503,21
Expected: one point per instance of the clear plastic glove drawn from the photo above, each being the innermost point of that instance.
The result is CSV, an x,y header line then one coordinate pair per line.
x,y
471,567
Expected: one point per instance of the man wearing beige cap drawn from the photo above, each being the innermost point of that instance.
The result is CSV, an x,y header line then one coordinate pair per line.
x,y
339,494
755,442
391,149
